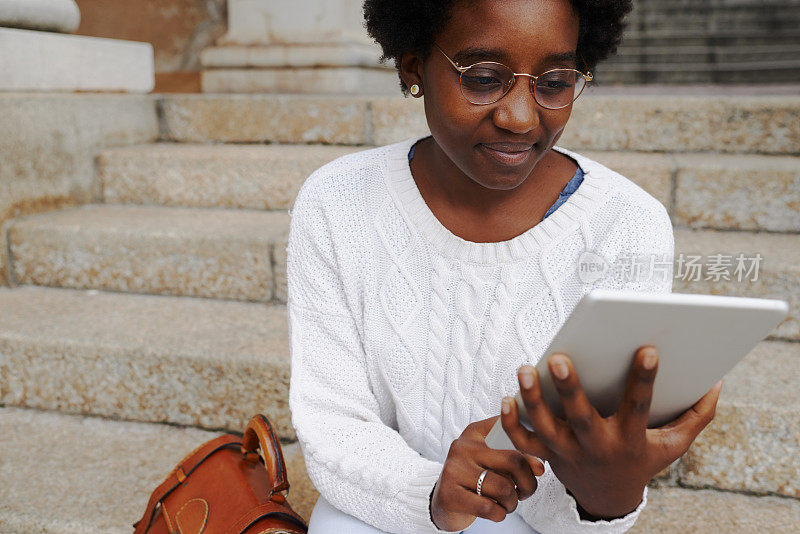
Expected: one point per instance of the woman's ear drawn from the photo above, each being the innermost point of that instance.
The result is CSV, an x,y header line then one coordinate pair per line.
x,y
411,72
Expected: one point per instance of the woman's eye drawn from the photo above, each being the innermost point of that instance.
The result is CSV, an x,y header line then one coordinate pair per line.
x,y
482,79
554,85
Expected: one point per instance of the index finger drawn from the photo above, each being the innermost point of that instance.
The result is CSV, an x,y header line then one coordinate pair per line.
x,y
524,440
484,426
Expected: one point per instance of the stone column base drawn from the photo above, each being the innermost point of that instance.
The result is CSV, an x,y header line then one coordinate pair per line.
x,y
42,61
44,15
319,80
299,68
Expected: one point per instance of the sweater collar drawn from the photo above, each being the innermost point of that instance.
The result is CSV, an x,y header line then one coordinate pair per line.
x,y
546,233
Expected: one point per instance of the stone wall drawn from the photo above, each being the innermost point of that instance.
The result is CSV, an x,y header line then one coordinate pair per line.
x,y
178,30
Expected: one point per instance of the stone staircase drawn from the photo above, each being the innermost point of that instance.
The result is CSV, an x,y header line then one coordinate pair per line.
x,y
713,41
149,320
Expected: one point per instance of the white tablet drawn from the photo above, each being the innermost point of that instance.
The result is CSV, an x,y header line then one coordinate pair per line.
x,y
699,338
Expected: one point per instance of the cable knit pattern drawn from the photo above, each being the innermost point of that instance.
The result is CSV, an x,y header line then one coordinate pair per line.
x,y
470,303
485,360
438,343
402,333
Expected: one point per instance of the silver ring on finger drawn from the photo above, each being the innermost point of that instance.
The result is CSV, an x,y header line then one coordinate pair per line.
x,y
480,481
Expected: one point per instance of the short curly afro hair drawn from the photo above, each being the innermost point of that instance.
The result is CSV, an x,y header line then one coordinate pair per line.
x,y
411,25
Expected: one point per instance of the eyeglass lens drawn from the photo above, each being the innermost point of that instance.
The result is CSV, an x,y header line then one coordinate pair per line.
x,y
485,83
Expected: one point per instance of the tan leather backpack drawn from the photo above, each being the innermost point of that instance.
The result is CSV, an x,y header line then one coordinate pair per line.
x,y
225,486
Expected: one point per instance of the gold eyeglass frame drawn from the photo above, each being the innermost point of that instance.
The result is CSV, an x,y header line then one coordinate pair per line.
x,y
588,77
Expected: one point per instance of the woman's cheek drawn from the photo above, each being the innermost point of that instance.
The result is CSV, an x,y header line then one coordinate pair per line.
x,y
555,125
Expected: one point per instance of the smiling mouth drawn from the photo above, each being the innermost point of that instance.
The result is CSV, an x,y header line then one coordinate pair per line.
x,y
507,156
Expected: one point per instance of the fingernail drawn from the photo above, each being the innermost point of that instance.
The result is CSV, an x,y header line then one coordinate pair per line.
x,y
526,378
506,405
536,461
650,358
559,367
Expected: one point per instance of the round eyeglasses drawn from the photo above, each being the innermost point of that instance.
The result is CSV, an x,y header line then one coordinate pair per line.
x,y
488,81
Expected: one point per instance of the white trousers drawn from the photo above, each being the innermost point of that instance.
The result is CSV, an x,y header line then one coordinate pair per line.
x,y
325,519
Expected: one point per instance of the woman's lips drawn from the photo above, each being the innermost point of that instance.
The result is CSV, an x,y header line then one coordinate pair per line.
x,y
508,154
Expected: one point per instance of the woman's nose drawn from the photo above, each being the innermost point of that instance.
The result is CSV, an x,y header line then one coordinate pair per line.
x,y
517,111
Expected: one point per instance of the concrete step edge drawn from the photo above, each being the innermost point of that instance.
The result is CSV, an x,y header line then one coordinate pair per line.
x,y
269,176
67,249
102,470
202,252
199,362
93,502
49,367
626,122
720,66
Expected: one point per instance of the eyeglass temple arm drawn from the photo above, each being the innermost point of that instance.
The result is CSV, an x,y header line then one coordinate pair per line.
x,y
453,63
589,76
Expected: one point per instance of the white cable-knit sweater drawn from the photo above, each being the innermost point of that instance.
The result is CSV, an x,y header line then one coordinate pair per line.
x,y
402,333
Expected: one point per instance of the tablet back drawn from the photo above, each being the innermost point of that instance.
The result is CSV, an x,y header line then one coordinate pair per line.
x,y
699,339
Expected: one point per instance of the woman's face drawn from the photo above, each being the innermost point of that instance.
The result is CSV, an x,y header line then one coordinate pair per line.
x,y
529,36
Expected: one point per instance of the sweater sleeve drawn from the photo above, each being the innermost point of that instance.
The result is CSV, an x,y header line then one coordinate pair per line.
x,y
640,250
551,510
358,462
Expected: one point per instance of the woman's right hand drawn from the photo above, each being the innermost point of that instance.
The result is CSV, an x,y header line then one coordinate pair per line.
x,y
455,502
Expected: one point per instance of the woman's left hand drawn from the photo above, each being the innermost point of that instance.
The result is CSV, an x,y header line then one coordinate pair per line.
x,y
605,463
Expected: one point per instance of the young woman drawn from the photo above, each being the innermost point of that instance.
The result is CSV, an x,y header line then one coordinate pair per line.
x,y
427,277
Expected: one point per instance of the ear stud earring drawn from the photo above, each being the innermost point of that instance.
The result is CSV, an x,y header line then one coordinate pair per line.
x,y
415,89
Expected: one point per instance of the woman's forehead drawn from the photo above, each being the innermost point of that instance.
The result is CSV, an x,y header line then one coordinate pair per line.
x,y
509,28
473,54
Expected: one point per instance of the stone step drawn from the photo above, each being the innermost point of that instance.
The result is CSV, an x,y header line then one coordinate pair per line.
x,y
771,65
680,77
759,89
71,456
223,254
754,19
737,192
265,177
213,364
679,39
702,54
241,254
757,423
101,471
717,191
269,176
673,510
147,358
655,122
710,5
777,276
725,34
717,28
745,192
